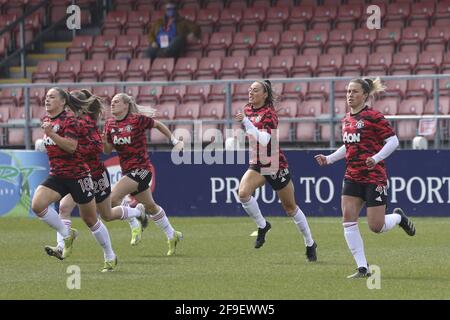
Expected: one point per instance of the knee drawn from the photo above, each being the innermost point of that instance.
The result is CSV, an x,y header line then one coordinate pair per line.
x,y
375,227
115,201
65,211
290,209
244,195
152,208
107,217
37,208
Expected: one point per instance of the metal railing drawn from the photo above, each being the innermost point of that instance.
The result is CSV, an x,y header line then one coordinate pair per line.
x,y
332,119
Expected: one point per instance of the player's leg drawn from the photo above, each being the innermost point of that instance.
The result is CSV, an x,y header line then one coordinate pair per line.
x,y
159,217
287,198
66,206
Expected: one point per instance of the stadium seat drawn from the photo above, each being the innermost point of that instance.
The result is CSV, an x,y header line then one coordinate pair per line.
x,y
4,114
306,131
261,3
266,43
353,63
208,68
348,16
324,17
114,70
242,44
197,93
314,42
404,62
444,106
412,39
280,66
188,111
146,5
149,95
132,91
252,19
387,106
413,106
219,44
37,96
165,111
38,113
387,39
91,70
185,68
395,88
338,41
441,15
79,48
276,18
290,42
188,14
68,71
137,22
362,41
304,66
195,48
445,66
230,18
161,69
232,67
318,90
444,87
172,94
397,14
114,22
45,71
240,91
340,88
213,110
207,19
137,70
102,47
420,87
329,65
11,96
421,14
300,18
310,108
295,90
437,39
217,92
256,67
125,46
142,48
379,61
429,62
104,92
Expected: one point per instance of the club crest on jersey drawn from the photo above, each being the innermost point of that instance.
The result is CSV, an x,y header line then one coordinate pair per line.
x,y
360,124
128,128
257,119
381,190
56,128
113,131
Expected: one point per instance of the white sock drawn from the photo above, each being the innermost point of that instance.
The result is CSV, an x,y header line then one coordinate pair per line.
x,y
59,237
163,223
128,213
355,243
252,209
52,218
303,227
134,223
390,221
101,234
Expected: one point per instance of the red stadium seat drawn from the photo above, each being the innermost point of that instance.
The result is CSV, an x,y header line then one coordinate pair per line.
x,y
188,14
79,48
218,92
230,19
190,110
300,18
338,41
379,61
161,69
45,71
397,14
441,14
280,67
207,19
314,42
149,94
444,106
137,70
340,108
412,106
172,93
114,22
102,47
324,17
387,39
363,40
232,67
256,67
329,65
4,114
310,108
429,62
396,88
104,92
348,16
295,90
252,19
91,70
304,66
290,42
240,91
197,47
196,93
318,90
213,110
354,63
165,110
185,68
437,38
404,62
137,22
412,39
132,91
142,48
68,71
114,70
219,44
420,87
387,106
266,43
421,14
243,43
276,18
208,68
125,46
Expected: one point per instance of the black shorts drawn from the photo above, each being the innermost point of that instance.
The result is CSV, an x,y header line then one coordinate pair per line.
x,y
102,187
278,180
374,195
79,189
142,177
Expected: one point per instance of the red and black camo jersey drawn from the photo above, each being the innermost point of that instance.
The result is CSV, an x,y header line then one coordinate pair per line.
x,y
128,138
91,146
363,134
64,164
264,118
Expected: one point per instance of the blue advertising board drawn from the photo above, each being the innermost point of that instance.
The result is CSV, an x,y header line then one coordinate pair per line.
x,y
419,182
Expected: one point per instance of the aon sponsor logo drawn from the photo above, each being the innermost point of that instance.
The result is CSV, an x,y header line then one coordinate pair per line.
x,y
124,140
351,137
48,141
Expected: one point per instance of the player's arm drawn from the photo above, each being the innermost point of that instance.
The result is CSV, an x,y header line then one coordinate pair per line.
x,y
65,143
161,127
332,158
107,147
390,145
262,137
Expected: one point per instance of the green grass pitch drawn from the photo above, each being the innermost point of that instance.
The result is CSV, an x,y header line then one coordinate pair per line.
x,y
216,260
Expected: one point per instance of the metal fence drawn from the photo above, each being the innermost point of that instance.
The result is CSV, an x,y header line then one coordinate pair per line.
x,y
332,119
